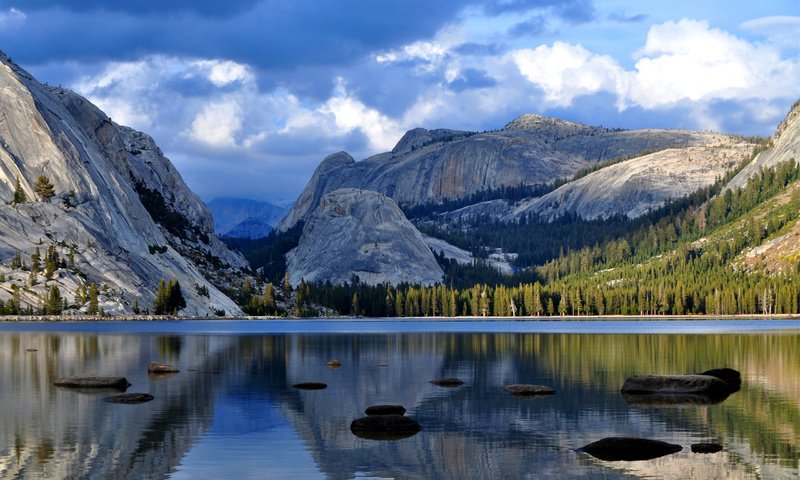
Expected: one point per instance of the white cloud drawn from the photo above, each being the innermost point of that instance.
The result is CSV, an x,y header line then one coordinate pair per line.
x,y
685,61
225,72
688,60
217,124
565,71
428,54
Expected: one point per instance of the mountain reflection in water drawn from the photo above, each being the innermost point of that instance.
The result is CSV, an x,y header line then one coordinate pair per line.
x,y
231,411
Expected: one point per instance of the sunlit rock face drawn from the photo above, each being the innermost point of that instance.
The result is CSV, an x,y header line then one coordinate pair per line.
x,y
364,234
785,146
634,187
119,205
428,166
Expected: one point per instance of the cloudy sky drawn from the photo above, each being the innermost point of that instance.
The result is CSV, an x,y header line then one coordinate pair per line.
x,y
247,96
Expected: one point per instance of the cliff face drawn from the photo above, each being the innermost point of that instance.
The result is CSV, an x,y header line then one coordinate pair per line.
x,y
785,145
120,207
429,166
361,233
633,187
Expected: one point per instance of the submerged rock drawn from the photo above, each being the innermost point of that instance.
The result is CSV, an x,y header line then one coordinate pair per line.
x,y
161,368
386,410
447,382
706,447
676,384
529,390
614,449
93,381
384,427
129,398
310,386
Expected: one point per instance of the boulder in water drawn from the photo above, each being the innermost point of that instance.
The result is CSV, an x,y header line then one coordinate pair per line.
x,y
614,449
129,398
310,386
385,410
384,427
526,390
93,381
160,368
447,382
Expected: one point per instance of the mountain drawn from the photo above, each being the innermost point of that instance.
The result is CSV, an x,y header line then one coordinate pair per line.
x,y
120,215
430,166
244,218
364,234
644,183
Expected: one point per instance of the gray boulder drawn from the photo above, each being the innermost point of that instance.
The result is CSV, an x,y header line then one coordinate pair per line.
x,y
93,381
526,390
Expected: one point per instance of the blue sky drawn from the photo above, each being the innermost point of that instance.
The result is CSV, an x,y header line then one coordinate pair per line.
x,y
247,96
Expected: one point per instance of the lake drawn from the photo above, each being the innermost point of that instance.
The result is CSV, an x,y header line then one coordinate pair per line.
x,y
231,412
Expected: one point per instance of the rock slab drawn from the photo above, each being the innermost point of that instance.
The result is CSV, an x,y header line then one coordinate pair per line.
x,y
385,410
614,449
92,381
675,384
160,368
447,382
129,398
384,427
529,390
310,386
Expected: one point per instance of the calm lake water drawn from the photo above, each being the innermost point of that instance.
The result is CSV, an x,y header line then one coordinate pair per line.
x,y
231,412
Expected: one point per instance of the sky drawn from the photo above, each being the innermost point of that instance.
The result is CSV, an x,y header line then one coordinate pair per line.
x,y
246,97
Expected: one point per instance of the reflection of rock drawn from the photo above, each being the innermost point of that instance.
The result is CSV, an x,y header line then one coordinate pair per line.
x,y
93,381
676,384
662,399
728,375
529,390
384,427
447,382
385,410
310,386
706,447
160,368
129,398
614,449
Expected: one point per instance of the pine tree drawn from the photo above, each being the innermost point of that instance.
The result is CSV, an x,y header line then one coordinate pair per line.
x,y
19,194
43,188
93,300
54,301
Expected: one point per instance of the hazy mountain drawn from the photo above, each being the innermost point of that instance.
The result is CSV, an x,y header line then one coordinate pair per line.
x,y
244,218
120,213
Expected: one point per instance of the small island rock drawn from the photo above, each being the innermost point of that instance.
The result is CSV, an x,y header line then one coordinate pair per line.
x,y
447,382
310,386
706,447
161,368
92,381
529,390
385,410
728,375
613,449
335,363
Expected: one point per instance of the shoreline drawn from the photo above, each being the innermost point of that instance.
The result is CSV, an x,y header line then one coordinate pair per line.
x,y
559,318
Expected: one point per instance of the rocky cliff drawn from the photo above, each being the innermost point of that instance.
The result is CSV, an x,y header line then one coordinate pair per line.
x,y
361,233
120,217
783,146
633,187
429,166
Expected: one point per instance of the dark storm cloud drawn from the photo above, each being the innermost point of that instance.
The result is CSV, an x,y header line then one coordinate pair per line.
x,y
270,34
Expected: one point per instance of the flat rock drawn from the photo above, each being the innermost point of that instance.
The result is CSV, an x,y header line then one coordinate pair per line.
x,y
629,449
384,427
528,390
447,382
310,386
129,398
386,410
706,447
92,381
154,367
675,384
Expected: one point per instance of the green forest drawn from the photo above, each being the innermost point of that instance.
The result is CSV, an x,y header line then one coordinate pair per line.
x,y
683,259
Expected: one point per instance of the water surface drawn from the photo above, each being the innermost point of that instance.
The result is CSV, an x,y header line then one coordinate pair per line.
x,y
231,412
